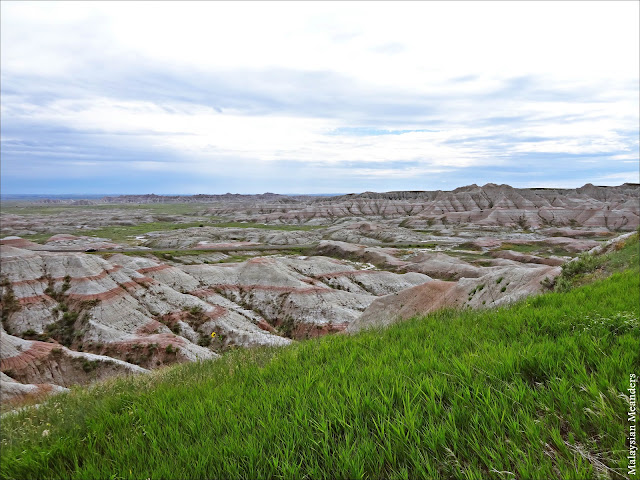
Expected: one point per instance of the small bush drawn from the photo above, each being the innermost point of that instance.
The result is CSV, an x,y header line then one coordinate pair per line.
x,y
562,284
89,365
571,271
547,283
521,222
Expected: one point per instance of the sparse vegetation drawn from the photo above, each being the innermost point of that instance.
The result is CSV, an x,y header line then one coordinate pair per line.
x,y
522,222
10,303
64,329
587,267
548,283
187,209
539,248
87,365
468,246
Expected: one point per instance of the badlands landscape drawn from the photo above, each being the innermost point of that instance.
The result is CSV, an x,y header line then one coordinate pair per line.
x,y
124,285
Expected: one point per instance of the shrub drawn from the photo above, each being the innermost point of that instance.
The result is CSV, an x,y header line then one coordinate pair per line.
x,y
89,365
521,222
584,264
547,283
562,284
9,302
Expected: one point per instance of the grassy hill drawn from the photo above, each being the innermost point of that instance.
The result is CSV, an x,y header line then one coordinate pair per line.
x,y
534,390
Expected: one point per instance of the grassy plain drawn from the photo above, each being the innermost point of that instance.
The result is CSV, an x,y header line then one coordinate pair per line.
x,y
127,233
535,390
158,208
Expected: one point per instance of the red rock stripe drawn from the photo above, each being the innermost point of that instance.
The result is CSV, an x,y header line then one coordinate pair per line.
x,y
153,269
16,241
108,295
261,261
143,280
265,326
37,351
217,312
34,299
266,288
130,285
147,328
311,331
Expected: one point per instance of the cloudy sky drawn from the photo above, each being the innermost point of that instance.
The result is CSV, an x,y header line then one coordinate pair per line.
x,y
326,97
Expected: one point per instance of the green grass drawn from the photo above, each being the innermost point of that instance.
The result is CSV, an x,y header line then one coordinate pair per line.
x,y
534,389
540,249
588,268
467,246
124,233
522,248
158,208
172,254
36,237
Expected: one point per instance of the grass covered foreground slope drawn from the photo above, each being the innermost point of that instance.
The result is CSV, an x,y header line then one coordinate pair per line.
x,y
534,390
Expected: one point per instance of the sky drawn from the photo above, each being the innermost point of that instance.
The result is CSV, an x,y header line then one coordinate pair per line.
x,y
316,97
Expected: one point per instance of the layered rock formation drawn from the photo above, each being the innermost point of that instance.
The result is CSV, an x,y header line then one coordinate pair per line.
x,y
494,287
71,317
614,208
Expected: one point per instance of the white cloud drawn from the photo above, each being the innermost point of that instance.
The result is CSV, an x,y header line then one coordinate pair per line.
x,y
433,41
568,72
